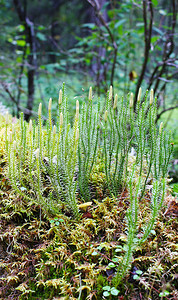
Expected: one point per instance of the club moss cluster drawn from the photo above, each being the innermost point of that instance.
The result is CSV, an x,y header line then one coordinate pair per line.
x,y
91,175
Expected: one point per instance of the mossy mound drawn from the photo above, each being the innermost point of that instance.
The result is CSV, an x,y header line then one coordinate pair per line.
x,y
45,256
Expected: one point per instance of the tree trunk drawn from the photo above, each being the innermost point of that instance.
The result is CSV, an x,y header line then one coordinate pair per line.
x,y
32,61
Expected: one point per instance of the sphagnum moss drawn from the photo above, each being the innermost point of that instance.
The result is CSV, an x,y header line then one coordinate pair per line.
x,y
66,155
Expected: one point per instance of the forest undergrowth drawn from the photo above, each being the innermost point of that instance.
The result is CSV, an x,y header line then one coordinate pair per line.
x,y
110,241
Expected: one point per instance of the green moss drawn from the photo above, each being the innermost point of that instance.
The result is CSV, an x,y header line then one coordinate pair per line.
x,y
65,258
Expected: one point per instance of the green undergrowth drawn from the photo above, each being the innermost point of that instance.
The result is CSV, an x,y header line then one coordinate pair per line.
x,y
59,258
82,216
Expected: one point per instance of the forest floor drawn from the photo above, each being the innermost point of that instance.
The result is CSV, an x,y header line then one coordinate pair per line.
x,y
43,256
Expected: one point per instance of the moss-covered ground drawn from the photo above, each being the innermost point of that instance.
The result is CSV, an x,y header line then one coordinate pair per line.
x,y
44,256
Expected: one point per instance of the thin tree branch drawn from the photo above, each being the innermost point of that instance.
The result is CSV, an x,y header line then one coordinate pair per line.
x,y
19,107
31,112
147,5
20,11
6,89
33,44
165,110
169,46
32,59
96,6
167,80
20,77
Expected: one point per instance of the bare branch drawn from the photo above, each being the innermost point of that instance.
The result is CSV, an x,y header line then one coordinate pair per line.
x,y
168,47
96,6
30,112
20,77
147,5
165,110
19,107
6,89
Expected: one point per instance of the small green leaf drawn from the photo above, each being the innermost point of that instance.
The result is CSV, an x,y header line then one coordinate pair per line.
x,y
41,27
19,59
106,288
135,277
41,36
21,43
159,31
106,294
10,40
21,28
119,249
164,294
57,223
125,247
158,48
155,2
163,12
89,25
61,220
139,24
139,272
114,291
135,240
99,248
95,253
115,259
111,265
120,22
153,232
22,188
154,39
175,188
51,221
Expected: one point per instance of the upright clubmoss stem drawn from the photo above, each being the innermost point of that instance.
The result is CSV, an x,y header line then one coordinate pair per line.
x,y
53,141
40,130
30,129
14,161
39,110
6,123
151,96
90,94
139,95
60,131
77,134
49,112
161,128
106,116
77,110
115,102
61,120
60,97
131,100
60,103
110,93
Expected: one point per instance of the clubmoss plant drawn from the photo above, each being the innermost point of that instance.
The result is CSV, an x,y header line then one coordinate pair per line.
x,y
153,151
88,144
6,128
59,159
